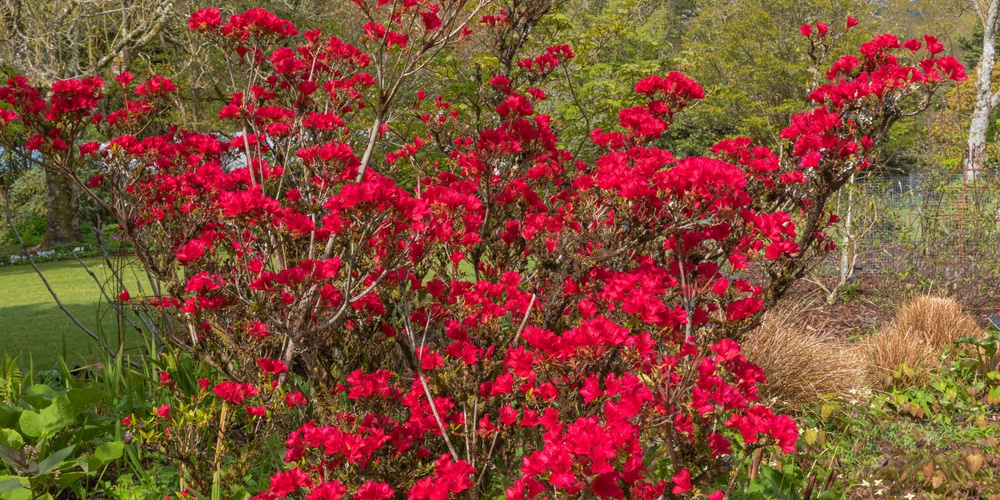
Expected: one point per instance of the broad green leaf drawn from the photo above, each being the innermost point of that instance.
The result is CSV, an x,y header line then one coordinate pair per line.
x,y
52,461
68,478
12,483
11,438
9,416
109,451
830,495
42,390
89,463
31,423
57,416
84,399
18,494
994,396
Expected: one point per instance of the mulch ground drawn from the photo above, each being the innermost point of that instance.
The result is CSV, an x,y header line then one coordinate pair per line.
x,y
864,306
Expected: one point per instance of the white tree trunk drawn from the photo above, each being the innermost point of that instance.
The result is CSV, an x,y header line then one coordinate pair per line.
x,y
986,101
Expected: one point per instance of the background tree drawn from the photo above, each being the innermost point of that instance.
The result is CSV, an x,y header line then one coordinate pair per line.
x,y
749,58
56,40
61,39
986,99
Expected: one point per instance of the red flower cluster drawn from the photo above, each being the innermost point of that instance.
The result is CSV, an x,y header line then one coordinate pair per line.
x,y
234,393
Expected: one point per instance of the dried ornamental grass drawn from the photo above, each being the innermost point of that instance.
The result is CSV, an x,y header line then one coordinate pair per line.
x,y
912,345
939,321
801,366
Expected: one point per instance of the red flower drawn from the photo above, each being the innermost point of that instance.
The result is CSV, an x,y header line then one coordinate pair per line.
x,y
374,491
163,411
234,393
155,86
272,366
332,490
191,251
431,20
124,78
743,308
851,22
295,399
89,148
933,45
205,19
286,482
682,482
806,30
124,297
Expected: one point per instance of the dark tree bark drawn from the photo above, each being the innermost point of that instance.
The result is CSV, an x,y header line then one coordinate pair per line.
x,y
63,210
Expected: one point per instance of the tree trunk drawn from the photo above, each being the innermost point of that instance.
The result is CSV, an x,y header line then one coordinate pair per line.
x,y
986,101
848,246
63,214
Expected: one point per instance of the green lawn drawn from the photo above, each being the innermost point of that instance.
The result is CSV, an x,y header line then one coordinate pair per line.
x,y
31,324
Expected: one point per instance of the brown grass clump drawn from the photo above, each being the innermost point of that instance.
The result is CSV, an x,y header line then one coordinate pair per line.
x,y
800,363
922,330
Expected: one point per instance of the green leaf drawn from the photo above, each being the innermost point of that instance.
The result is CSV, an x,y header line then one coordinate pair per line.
x,y
18,494
89,463
52,461
216,487
84,399
31,423
12,484
778,485
39,396
68,478
50,420
9,416
109,451
994,396
11,438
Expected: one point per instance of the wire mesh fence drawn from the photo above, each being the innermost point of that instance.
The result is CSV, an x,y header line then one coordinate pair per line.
x,y
931,225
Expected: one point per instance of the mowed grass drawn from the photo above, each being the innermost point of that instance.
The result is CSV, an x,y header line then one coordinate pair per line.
x,y
32,325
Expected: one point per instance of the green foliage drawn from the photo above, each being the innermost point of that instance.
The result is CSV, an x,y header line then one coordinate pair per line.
x,y
26,197
51,440
616,43
208,448
785,483
10,378
65,437
926,439
750,59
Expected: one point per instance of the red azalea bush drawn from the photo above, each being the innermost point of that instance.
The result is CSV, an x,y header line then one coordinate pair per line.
x,y
511,320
